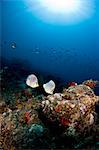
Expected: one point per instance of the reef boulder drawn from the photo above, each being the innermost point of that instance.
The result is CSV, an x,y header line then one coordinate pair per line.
x,y
73,109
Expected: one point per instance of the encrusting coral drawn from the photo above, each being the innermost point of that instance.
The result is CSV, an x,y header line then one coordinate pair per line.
x,y
73,111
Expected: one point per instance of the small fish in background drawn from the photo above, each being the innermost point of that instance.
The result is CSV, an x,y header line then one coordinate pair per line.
x,y
32,81
72,84
49,87
36,51
13,45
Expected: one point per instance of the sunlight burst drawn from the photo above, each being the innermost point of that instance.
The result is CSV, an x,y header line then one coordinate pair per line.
x,y
62,11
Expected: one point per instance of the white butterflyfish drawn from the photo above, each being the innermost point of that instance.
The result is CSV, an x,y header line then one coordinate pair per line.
x,y
32,81
49,87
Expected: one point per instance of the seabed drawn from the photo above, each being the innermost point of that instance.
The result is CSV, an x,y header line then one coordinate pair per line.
x,y
31,119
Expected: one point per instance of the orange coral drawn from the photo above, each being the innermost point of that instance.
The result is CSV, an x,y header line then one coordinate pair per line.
x,y
91,83
64,121
27,117
58,108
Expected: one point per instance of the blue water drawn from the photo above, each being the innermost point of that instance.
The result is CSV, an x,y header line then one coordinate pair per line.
x,y
70,52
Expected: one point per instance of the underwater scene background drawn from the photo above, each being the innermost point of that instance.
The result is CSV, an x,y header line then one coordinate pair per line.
x,y
49,76
70,52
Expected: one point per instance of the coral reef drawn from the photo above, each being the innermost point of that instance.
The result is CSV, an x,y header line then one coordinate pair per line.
x,y
74,109
64,120
19,123
91,83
